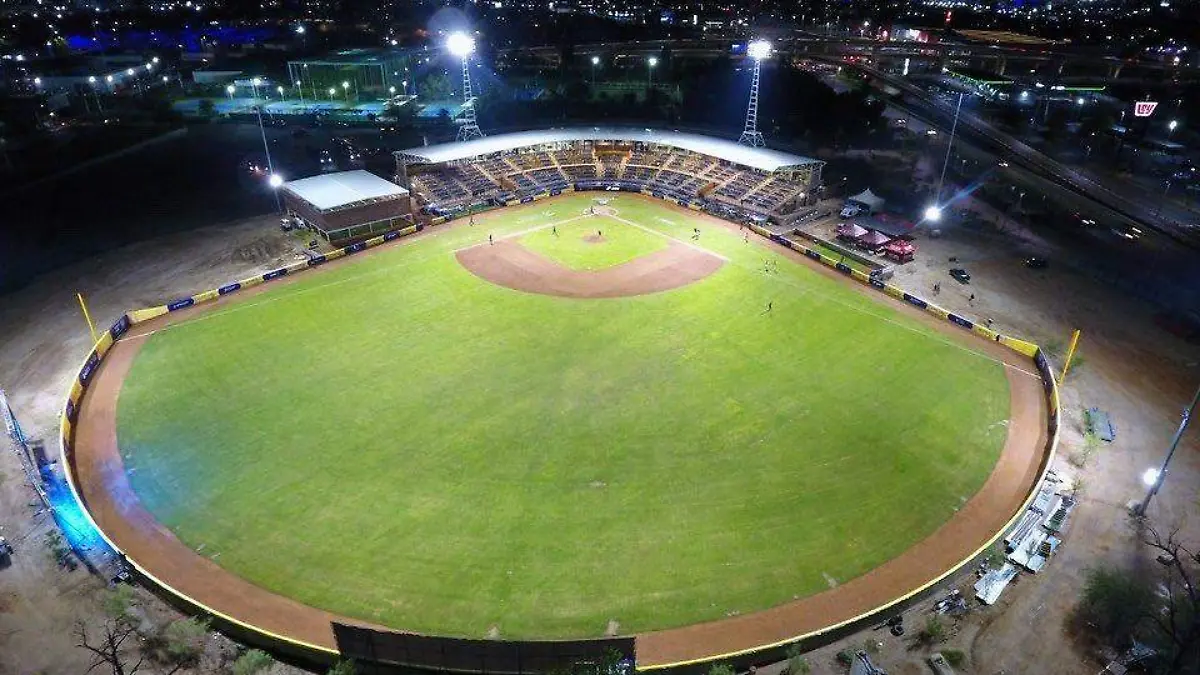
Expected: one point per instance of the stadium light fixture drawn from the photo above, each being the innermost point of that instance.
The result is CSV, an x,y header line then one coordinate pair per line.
x,y
1150,477
933,213
275,180
759,50
460,44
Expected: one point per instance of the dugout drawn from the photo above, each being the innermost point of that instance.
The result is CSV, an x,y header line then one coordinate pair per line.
x,y
349,205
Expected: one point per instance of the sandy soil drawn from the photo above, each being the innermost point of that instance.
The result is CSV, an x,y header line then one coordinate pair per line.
x,y
1139,373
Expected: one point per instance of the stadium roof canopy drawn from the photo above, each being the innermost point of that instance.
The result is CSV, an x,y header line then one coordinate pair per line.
x,y
344,189
757,158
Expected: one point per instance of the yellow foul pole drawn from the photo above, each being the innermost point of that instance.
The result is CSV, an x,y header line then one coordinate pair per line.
x,y
1070,355
88,317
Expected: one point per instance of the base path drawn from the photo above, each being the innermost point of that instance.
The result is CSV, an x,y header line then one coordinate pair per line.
x,y
509,264
102,483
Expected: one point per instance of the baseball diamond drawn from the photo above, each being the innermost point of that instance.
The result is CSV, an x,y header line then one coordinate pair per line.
x,y
558,422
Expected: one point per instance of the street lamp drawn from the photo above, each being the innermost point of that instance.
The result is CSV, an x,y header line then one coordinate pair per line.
x,y
229,90
933,213
275,180
595,62
154,60
332,91
1153,478
650,64
254,85
300,91
392,90
1171,127
346,89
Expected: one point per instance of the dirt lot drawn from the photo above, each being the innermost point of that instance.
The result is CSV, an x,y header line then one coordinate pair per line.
x,y
1139,373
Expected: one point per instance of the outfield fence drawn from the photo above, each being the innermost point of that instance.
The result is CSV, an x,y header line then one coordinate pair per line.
x,y
380,650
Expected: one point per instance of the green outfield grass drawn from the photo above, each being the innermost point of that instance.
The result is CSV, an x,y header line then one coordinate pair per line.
x,y
396,440
568,245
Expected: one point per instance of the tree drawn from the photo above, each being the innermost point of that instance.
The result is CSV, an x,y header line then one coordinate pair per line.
x,y
342,667
1115,603
251,662
1177,625
933,632
109,651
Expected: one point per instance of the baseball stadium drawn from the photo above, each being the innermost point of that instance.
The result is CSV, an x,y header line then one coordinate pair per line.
x,y
582,399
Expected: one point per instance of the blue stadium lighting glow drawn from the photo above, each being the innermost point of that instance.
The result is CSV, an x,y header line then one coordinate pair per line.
x,y
76,526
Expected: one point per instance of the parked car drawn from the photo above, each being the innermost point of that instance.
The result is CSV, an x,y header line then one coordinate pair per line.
x,y
960,275
851,210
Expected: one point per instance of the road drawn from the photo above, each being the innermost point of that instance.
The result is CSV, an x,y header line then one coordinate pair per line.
x,y
1131,204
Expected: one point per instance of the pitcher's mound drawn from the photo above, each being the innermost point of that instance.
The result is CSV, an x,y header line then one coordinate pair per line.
x,y
511,265
594,239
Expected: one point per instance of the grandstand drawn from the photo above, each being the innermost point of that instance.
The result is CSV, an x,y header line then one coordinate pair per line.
x,y
707,173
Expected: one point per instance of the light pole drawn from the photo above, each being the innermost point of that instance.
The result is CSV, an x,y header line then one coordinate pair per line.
x,y
1153,478
595,62
300,91
332,91
1171,127
267,150
346,90
934,212
462,46
757,50
650,64
229,90
96,94
254,87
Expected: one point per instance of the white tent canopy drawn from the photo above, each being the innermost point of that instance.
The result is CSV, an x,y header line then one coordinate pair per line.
x,y
755,158
868,199
344,189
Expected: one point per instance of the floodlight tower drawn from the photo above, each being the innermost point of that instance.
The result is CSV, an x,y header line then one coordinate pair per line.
x,y
462,45
757,50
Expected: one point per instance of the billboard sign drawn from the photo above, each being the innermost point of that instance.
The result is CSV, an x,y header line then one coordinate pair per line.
x,y
1144,108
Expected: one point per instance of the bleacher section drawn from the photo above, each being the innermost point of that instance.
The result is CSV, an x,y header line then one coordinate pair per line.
x,y
675,174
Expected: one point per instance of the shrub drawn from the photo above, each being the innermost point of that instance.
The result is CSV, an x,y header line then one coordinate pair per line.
x,y
251,662
721,669
845,657
933,632
117,602
342,667
184,640
797,664
957,658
